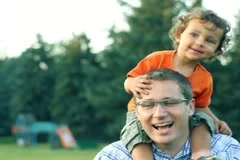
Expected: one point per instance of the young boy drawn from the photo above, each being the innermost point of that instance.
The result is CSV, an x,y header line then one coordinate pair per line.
x,y
197,36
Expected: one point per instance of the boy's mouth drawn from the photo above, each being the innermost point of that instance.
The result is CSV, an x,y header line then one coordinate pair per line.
x,y
197,50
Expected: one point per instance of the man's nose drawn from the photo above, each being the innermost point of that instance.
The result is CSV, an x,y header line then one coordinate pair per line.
x,y
160,111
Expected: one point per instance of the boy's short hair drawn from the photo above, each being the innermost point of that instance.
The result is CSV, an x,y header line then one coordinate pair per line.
x,y
180,23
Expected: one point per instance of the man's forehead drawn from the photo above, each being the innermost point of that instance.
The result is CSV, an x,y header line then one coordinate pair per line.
x,y
160,83
163,89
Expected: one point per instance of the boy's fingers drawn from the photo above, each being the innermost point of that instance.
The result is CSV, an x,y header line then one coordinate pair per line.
x,y
145,80
222,128
217,129
141,91
138,90
228,131
225,129
144,86
141,86
138,95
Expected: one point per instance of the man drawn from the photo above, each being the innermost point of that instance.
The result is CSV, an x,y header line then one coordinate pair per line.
x,y
164,115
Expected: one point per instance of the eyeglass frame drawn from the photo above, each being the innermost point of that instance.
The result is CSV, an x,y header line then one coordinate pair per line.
x,y
161,102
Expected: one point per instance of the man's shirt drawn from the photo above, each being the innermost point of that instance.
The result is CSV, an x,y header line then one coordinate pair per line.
x,y
225,147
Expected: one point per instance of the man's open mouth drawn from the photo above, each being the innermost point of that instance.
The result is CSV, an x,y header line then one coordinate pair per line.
x,y
163,125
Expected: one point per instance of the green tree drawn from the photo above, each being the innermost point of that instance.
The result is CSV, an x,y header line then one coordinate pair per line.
x,y
6,66
32,81
70,105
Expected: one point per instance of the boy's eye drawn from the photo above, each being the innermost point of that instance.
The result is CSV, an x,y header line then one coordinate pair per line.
x,y
194,34
210,41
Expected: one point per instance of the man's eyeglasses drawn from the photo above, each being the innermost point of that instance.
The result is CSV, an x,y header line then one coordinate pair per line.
x,y
151,104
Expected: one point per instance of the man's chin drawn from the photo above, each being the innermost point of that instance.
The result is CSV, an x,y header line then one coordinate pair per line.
x,y
163,140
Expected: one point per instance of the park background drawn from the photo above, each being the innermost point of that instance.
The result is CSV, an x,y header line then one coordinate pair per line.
x,y
67,82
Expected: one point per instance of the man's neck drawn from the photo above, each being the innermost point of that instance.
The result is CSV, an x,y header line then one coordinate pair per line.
x,y
172,149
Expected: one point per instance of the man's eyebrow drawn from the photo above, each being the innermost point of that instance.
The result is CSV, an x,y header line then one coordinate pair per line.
x,y
169,98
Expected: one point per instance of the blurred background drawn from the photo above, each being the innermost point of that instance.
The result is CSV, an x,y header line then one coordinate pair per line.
x,y
64,62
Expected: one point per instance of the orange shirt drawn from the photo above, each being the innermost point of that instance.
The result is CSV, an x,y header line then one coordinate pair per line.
x,y
200,79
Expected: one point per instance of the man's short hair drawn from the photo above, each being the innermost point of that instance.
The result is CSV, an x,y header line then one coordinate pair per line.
x,y
164,74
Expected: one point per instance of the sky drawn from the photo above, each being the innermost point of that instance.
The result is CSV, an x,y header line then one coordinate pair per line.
x,y
57,20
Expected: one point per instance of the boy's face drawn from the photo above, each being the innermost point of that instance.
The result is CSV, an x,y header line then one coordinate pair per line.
x,y
199,40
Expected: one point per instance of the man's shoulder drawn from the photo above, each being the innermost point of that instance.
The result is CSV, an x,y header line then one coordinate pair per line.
x,y
114,151
224,142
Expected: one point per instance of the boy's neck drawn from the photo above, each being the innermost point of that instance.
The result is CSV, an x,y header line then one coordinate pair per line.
x,y
184,67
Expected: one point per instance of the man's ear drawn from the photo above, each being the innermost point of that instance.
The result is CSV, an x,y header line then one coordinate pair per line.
x,y
191,107
136,111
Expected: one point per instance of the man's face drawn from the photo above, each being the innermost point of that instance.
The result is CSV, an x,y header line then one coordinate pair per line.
x,y
166,126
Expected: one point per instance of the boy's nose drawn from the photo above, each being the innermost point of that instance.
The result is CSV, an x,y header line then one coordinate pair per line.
x,y
200,41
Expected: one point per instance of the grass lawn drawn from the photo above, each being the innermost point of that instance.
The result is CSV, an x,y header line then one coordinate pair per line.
x,y
11,151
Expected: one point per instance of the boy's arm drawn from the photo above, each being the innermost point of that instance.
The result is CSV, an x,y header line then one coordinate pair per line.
x,y
200,142
201,136
221,126
126,85
209,113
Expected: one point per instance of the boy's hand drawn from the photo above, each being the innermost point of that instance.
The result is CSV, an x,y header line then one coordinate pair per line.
x,y
222,127
140,85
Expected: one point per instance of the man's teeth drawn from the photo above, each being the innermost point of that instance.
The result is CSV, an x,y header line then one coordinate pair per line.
x,y
164,124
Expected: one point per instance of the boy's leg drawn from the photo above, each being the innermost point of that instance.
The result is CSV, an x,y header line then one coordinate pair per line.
x,y
202,127
135,139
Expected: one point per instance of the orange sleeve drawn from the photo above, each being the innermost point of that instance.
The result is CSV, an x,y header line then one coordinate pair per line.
x,y
204,98
131,105
147,64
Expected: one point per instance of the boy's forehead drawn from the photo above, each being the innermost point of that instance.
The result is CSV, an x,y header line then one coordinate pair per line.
x,y
199,24
209,25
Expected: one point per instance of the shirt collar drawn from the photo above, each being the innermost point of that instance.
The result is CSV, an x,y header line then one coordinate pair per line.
x,y
185,151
